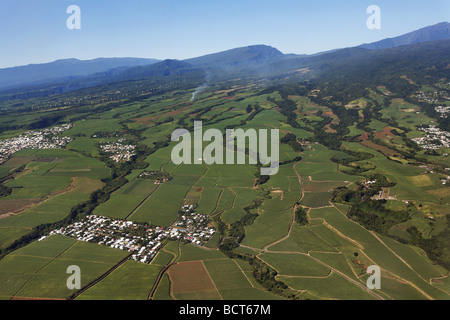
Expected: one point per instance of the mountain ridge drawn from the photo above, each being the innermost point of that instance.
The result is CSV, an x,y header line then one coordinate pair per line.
x,y
439,31
64,69
254,60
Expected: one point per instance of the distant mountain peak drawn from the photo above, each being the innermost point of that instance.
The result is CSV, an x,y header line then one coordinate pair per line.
x,y
266,51
250,55
440,31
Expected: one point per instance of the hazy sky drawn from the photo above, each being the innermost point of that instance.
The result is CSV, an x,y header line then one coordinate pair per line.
x,y
35,31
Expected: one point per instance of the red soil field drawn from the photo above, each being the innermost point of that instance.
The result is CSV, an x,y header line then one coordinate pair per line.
x,y
190,277
15,205
364,136
377,147
386,132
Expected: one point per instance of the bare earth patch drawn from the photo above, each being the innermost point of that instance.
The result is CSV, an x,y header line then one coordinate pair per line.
x,y
190,277
11,206
377,147
386,132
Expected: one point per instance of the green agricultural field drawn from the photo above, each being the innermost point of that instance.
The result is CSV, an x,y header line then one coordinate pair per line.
x,y
87,127
240,176
320,186
49,210
344,225
27,271
282,201
406,114
34,186
303,239
52,171
209,199
231,215
268,227
126,199
163,290
377,125
232,283
316,199
258,240
322,171
285,179
229,198
331,287
163,258
337,261
131,281
162,207
397,258
85,146
15,162
354,131
416,258
138,187
119,206
158,159
245,196
409,183
190,252
4,171
390,260
294,264
9,234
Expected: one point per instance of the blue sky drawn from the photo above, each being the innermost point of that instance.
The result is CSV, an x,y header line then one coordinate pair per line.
x,y
34,31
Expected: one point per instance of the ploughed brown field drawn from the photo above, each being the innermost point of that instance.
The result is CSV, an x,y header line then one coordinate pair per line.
x,y
386,132
153,119
377,147
16,162
15,205
191,278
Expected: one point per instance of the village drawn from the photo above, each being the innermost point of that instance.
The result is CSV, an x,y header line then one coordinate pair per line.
x,y
142,240
435,138
442,111
438,96
41,139
121,151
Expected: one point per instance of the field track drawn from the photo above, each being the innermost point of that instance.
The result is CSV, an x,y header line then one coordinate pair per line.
x,y
76,294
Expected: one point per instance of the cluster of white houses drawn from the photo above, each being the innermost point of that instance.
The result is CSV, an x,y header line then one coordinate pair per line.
x,y
367,184
443,111
120,151
435,138
40,139
193,226
305,144
438,96
143,241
